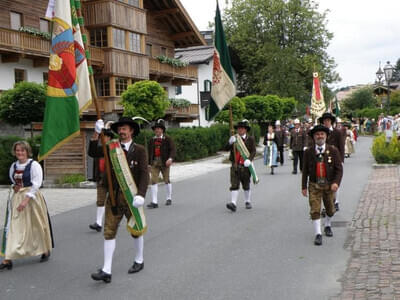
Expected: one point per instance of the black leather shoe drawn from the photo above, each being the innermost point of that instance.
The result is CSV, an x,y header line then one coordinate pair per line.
x,y
231,206
318,240
152,205
7,266
101,275
44,257
248,205
95,226
294,172
337,206
136,267
328,231
168,202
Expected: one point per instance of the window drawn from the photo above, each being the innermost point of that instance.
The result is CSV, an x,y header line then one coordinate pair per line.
x,y
121,85
44,25
103,87
119,38
134,42
164,51
19,75
178,90
98,37
134,3
16,20
149,49
45,77
207,85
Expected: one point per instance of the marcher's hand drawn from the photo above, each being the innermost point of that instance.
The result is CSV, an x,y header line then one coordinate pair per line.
x,y
138,201
232,140
99,126
334,187
305,148
247,163
168,162
16,188
304,192
23,204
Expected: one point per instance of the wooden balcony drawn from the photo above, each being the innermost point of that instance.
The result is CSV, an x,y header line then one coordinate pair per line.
x,y
183,114
106,105
111,12
166,72
126,64
19,42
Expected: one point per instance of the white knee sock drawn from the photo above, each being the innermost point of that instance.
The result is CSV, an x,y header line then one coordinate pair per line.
x,y
169,190
154,192
337,196
138,244
327,221
109,247
99,215
234,196
317,226
247,195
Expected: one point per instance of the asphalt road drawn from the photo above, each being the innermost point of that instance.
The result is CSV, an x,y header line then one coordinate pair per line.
x,y
197,249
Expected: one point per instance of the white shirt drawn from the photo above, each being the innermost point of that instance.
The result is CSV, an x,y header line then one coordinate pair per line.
x,y
127,145
36,176
243,136
317,149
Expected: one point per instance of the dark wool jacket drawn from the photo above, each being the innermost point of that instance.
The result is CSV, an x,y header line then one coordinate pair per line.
x,y
250,143
333,163
168,149
280,138
335,138
137,161
297,139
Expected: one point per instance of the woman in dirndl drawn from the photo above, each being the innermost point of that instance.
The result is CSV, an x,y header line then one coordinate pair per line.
x,y
27,230
271,149
349,142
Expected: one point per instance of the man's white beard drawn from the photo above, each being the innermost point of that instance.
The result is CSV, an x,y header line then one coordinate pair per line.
x,y
320,142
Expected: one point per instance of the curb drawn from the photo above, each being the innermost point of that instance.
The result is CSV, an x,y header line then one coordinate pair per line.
x,y
384,166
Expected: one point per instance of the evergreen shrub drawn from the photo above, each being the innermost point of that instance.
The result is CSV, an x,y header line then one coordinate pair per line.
x,y
386,152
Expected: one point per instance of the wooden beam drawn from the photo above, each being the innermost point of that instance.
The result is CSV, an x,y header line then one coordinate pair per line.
x,y
8,58
162,13
181,35
40,62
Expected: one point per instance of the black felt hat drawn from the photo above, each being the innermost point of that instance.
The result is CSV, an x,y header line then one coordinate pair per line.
x,y
126,121
160,123
318,128
327,115
244,123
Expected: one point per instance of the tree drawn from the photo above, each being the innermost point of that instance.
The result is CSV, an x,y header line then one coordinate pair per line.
x,y
359,99
263,108
146,99
23,104
238,109
288,107
279,44
396,72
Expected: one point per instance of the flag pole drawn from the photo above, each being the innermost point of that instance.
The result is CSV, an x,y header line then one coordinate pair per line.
x,y
232,131
94,98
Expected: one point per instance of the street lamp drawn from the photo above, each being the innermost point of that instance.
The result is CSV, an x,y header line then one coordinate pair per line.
x,y
388,70
379,75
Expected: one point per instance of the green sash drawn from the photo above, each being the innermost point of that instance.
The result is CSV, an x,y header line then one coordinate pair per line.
x,y
137,222
244,152
6,224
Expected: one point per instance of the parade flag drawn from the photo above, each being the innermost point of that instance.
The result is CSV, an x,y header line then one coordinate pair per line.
x,y
68,90
223,87
337,107
317,98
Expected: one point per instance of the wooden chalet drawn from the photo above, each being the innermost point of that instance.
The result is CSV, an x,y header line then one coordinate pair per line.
x,y
126,37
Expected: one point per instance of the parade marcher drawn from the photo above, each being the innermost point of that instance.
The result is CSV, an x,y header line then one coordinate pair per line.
x,y
240,169
271,149
161,151
335,138
297,144
135,160
27,231
100,177
322,174
309,143
350,141
280,140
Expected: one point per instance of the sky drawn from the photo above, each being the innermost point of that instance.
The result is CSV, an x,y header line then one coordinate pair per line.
x,y
366,32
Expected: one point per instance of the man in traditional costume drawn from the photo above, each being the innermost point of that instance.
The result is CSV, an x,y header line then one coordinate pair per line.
x,y
162,151
309,142
297,143
130,179
280,140
336,138
322,174
242,148
100,177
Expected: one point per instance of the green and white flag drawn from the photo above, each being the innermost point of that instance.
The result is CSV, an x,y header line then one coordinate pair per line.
x,y
223,87
68,89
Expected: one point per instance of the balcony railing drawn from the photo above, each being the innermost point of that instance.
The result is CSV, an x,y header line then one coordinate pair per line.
x,y
191,112
23,42
157,68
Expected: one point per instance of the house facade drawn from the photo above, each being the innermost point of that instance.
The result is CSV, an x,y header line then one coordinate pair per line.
x,y
128,40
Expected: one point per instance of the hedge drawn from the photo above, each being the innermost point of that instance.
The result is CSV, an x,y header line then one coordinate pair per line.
x,y
386,152
6,158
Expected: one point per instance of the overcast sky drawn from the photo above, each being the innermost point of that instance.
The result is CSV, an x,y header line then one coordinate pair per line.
x,y
365,32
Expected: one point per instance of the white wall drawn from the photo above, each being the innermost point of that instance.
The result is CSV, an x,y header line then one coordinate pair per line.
x,y
32,74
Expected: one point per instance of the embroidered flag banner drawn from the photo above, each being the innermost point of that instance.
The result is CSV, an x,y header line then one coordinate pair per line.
x,y
317,98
